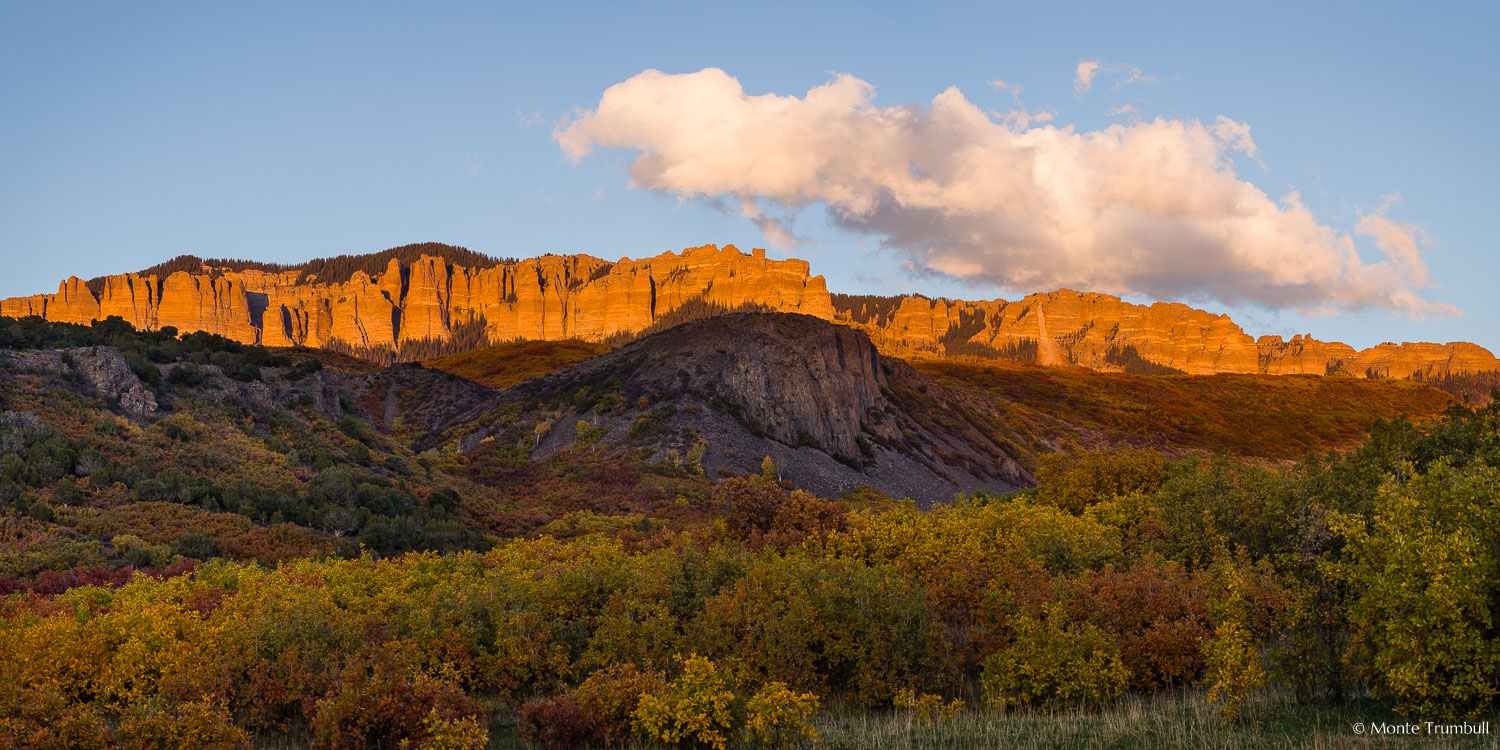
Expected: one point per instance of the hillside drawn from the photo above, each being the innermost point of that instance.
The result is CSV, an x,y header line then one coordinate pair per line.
x,y
420,302
1262,416
504,365
834,414
817,398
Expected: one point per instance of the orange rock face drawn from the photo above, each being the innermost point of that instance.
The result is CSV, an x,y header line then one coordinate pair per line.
x,y
579,296
551,297
1086,329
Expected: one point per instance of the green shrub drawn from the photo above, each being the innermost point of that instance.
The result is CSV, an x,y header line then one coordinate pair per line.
x,y
1427,569
187,374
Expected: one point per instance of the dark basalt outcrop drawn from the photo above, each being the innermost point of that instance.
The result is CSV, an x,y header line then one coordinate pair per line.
x,y
816,397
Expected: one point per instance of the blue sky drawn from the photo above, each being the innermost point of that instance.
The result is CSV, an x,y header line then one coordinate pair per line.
x,y
280,132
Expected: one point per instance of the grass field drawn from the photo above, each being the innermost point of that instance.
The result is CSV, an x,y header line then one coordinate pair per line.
x,y
1183,721
1159,723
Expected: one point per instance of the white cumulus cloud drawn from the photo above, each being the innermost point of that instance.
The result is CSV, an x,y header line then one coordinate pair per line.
x,y
1150,207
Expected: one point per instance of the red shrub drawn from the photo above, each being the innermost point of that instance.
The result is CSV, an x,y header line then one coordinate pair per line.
x,y
381,700
561,724
1158,615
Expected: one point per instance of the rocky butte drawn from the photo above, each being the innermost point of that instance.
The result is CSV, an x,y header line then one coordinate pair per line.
x,y
580,296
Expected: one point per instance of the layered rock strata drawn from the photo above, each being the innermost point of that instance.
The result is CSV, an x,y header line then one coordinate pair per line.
x,y
579,296
551,297
1093,331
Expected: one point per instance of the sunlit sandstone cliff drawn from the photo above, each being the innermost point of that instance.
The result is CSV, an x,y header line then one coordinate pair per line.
x,y
578,296
552,297
1079,328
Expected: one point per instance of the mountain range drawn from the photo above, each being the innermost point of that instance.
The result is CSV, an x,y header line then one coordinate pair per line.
x,y
438,299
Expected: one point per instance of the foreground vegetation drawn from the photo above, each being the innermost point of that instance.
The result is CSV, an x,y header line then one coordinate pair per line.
x,y
228,576
1123,575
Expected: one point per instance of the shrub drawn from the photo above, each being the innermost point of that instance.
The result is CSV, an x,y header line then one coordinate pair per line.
x,y
185,374
776,717
197,545
1076,480
194,724
651,422
1158,614
825,625
561,724
614,693
588,434
381,698
1234,667
927,708
694,711
1053,664
1426,573
466,733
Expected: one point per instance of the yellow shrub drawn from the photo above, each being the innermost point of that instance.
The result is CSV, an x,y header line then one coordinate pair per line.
x,y
1053,664
778,717
462,733
694,711
1234,667
927,708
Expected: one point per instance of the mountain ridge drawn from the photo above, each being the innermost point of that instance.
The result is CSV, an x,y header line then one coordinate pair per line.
x,y
436,298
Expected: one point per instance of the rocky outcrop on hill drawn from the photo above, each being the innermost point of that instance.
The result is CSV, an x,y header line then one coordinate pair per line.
x,y
102,367
816,397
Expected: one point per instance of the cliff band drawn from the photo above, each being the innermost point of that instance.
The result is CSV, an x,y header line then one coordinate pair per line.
x,y
579,296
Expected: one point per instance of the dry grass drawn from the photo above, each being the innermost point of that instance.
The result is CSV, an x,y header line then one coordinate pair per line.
x,y
1166,722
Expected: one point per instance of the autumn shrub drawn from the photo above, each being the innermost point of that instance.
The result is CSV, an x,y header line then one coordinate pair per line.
x,y
1233,655
44,718
381,698
614,693
1426,567
777,717
1076,480
1157,612
463,733
562,723
925,709
1234,669
802,516
588,434
696,710
749,505
825,625
194,724
1053,664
